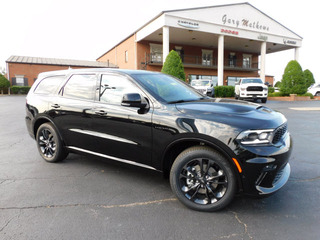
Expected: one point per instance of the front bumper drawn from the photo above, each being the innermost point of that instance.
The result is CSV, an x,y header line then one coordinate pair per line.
x,y
266,168
280,180
253,94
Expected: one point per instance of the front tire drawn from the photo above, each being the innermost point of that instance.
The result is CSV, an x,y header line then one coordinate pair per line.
x,y
263,100
49,144
203,179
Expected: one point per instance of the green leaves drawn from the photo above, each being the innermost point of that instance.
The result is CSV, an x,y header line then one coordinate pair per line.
x,y
173,66
4,82
293,80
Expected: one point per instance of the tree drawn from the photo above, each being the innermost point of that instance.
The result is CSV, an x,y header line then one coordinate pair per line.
x,y
277,84
293,81
308,76
173,66
4,83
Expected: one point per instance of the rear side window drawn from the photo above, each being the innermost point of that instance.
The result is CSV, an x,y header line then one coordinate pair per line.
x,y
49,85
80,86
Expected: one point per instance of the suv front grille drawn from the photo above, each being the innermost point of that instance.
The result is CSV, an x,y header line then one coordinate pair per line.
x,y
279,132
254,88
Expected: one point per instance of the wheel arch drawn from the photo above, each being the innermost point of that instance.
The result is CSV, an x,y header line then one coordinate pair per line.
x,y
41,120
177,146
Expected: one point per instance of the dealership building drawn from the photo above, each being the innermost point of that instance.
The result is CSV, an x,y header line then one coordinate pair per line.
x,y
23,70
222,43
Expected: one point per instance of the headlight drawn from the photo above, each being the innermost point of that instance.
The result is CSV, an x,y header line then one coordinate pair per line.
x,y
243,88
253,137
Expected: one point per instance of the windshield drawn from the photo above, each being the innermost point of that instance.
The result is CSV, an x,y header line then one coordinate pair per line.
x,y
252,80
200,83
167,89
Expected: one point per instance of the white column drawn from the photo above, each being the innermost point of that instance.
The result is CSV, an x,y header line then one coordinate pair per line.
x,y
220,59
263,61
296,54
165,42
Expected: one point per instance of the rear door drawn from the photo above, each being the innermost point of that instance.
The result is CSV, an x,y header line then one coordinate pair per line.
x,y
71,110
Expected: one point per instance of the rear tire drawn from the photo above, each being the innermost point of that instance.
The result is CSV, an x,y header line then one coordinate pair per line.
x,y
202,179
49,144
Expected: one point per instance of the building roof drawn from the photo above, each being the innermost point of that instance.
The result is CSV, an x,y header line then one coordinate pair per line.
x,y
59,62
277,38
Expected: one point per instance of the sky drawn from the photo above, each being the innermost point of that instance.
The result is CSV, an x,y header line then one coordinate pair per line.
x,y
84,30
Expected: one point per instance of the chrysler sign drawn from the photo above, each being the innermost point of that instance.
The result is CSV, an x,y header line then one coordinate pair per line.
x,y
188,24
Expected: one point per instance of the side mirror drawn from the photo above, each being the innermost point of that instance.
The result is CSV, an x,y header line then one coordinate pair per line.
x,y
133,100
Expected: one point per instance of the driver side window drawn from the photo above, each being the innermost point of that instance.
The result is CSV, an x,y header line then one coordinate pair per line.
x,y
113,87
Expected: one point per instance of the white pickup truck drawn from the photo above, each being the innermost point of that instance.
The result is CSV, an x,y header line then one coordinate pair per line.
x,y
251,88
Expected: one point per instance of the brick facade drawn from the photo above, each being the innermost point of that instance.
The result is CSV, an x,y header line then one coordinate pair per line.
x,y
117,56
30,71
23,70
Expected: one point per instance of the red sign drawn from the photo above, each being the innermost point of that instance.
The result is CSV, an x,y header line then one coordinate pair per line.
x,y
229,32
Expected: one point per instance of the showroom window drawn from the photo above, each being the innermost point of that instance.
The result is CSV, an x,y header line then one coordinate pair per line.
x,y
231,81
211,77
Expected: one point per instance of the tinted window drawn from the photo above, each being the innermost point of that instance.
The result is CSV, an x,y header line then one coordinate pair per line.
x,y
113,87
80,86
49,85
167,89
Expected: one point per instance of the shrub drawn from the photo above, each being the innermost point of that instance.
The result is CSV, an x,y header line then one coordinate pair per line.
x,y
293,81
275,94
20,89
308,95
308,76
270,90
173,66
4,83
224,91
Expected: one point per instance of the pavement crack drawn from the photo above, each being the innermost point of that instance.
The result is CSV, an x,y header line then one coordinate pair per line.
x,y
93,205
305,180
242,223
7,223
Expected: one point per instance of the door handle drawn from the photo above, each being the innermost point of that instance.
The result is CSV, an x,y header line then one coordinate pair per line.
x,y
100,112
55,105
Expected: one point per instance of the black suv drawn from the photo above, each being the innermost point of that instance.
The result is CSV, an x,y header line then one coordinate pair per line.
x,y
212,148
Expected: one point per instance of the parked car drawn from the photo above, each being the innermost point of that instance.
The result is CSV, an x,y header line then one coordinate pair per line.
x,y
204,86
210,148
251,88
314,90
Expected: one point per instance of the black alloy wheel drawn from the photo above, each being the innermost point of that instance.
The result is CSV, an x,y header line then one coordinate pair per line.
x,y
202,179
49,144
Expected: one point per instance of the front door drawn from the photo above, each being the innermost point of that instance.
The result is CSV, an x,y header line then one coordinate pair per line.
x,y
121,132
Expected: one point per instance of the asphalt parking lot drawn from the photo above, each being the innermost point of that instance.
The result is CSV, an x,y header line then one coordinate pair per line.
x,y
90,198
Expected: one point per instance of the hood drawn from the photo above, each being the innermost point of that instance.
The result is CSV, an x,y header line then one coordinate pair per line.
x,y
218,105
232,112
252,84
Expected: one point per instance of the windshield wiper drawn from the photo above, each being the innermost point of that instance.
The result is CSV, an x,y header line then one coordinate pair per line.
x,y
185,100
